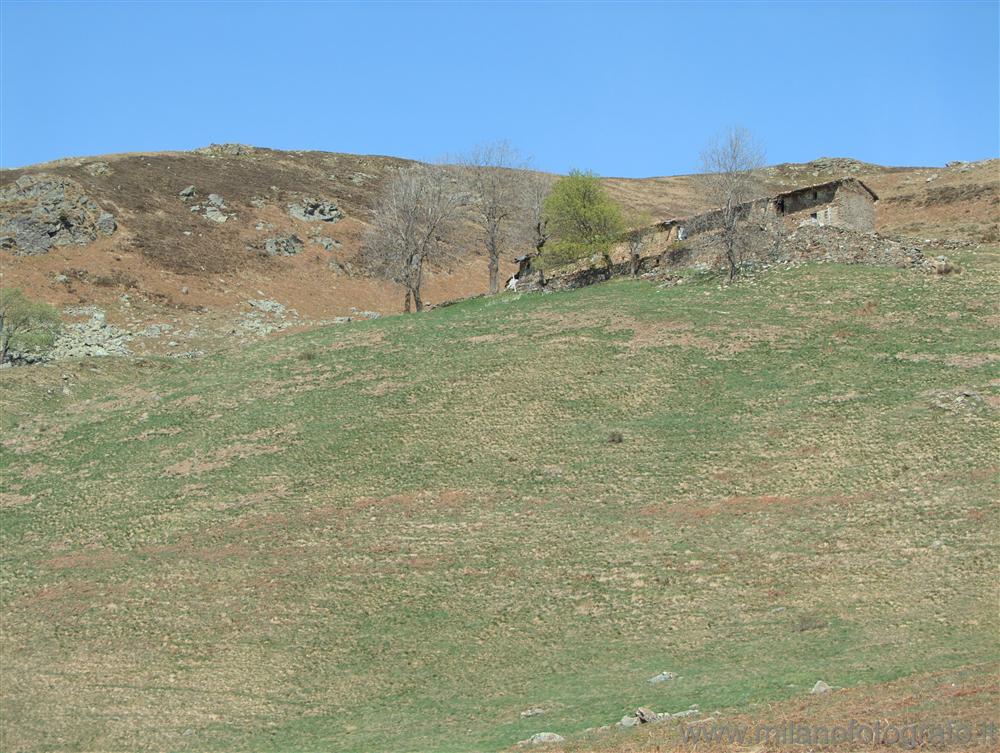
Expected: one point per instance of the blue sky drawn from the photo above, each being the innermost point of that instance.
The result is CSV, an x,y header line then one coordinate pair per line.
x,y
628,89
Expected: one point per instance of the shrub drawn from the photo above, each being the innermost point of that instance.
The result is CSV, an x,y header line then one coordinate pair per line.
x,y
28,326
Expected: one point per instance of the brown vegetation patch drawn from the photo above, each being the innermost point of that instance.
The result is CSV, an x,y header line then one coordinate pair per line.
x,y
971,361
10,500
494,338
85,560
442,500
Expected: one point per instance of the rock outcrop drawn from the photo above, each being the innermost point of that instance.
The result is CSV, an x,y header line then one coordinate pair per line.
x,y
39,212
315,210
283,245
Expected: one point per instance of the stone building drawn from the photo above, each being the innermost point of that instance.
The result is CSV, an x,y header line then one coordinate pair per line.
x,y
846,203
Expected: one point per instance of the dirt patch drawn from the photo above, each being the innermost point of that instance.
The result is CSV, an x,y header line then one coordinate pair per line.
x,y
10,500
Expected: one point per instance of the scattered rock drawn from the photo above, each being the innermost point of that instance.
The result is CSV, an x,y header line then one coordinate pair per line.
x,y
92,338
627,721
662,677
942,265
187,193
226,150
215,214
682,714
283,245
268,307
534,711
540,738
106,224
957,401
258,203
98,169
328,244
215,200
315,210
365,314
646,716
39,212
820,687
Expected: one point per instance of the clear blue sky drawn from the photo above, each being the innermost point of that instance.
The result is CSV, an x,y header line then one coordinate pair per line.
x,y
622,89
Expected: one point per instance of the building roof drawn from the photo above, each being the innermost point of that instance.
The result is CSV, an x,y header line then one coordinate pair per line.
x,y
667,224
828,184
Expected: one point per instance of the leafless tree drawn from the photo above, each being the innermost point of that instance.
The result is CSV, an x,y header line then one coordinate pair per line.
x,y
412,219
733,163
536,189
496,179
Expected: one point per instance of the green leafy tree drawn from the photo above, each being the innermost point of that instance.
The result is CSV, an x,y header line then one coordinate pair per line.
x,y
582,219
25,325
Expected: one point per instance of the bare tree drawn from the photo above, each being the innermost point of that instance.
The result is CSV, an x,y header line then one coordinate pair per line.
x,y
537,188
732,163
412,218
496,180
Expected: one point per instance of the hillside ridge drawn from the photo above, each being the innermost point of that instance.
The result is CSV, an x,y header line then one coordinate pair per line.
x,y
193,264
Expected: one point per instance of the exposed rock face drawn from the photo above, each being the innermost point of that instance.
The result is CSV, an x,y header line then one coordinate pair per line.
x,y
283,245
38,212
97,169
226,150
315,210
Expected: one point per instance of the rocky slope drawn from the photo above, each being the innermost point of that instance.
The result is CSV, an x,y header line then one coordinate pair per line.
x,y
184,252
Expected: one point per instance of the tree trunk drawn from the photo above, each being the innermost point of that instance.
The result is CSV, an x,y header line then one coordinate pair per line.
x,y
406,305
418,303
494,272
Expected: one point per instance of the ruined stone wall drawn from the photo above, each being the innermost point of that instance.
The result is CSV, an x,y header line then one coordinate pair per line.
x,y
855,209
806,201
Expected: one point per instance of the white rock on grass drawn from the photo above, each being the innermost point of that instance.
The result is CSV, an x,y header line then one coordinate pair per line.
x,y
662,677
540,738
820,687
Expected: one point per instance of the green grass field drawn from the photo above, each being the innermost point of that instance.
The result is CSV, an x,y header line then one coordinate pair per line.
x,y
397,535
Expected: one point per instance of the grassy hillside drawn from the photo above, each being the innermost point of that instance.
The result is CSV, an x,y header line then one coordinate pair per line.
x,y
399,534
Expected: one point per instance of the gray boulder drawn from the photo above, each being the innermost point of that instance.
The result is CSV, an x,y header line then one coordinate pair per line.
x,y
646,716
315,210
540,738
106,224
662,677
187,193
215,214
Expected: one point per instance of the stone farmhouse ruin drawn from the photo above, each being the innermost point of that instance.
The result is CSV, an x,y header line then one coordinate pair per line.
x,y
833,221
846,203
